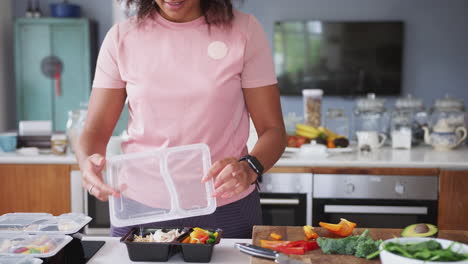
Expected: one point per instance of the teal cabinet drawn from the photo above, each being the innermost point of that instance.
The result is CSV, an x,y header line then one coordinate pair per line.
x,y
66,40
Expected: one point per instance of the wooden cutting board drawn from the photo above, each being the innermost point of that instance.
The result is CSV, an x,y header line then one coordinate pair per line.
x,y
293,233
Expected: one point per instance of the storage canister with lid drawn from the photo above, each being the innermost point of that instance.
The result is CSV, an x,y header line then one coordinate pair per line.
x,y
312,99
408,118
370,115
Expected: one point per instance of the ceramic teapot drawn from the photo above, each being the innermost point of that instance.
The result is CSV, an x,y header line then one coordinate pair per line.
x,y
444,136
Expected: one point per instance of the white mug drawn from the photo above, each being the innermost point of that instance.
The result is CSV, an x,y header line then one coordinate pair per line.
x,y
371,138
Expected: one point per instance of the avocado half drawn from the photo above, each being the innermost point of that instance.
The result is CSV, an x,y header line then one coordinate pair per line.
x,y
420,230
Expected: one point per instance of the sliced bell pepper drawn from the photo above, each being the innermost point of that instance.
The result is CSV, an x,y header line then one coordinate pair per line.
x,y
307,245
186,240
272,244
204,238
343,228
276,236
291,250
309,233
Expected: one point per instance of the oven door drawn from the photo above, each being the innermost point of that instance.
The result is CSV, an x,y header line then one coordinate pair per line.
x,y
281,209
375,213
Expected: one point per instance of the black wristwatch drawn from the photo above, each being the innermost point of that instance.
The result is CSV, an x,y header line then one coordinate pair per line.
x,y
255,165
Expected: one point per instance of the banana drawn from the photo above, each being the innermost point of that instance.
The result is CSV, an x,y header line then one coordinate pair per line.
x,y
307,134
310,129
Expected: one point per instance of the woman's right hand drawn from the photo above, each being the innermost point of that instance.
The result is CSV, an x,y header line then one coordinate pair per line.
x,y
91,170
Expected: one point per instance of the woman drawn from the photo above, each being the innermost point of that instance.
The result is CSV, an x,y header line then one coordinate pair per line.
x,y
193,72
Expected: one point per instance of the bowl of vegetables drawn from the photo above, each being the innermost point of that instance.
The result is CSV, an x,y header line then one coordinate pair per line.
x,y
418,250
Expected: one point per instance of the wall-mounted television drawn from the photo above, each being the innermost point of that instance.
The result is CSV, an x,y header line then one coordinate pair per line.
x,y
343,58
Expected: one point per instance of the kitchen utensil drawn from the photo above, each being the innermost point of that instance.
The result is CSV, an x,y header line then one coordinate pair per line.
x,y
265,253
370,139
8,142
313,150
64,9
444,136
391,258
35,128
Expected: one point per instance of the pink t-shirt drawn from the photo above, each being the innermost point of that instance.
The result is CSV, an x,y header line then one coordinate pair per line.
x,y
184,83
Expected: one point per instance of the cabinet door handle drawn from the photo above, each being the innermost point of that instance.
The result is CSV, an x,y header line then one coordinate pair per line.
x,y
279,201
368,209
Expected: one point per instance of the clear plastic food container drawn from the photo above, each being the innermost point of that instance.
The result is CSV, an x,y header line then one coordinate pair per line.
x,y
19,260
160,185
39,246
312,99
43,223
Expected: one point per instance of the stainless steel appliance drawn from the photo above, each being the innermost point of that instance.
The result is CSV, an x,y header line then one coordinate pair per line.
x,y
286,199
380,201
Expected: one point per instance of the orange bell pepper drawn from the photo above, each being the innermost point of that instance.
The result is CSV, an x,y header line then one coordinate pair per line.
x,y
309,233
276,236
272,244
343,228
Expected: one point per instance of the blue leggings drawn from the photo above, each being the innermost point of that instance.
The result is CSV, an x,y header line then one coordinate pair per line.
x,y
236,219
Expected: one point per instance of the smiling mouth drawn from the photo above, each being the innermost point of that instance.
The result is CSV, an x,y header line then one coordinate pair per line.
x,y
174,3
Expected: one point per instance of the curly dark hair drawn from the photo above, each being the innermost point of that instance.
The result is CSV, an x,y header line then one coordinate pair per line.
x,y
216,12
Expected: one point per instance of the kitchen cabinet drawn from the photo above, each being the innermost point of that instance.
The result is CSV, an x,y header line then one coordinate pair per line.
x,y
35,188
453,199
39,41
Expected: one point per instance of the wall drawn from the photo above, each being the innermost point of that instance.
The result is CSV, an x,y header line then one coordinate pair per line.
x,y
6,67
99,11
436,40
436,53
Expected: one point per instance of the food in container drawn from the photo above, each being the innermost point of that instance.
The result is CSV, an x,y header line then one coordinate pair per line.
x,y
19,260
162,251
40,246
43,223
312,106
59,144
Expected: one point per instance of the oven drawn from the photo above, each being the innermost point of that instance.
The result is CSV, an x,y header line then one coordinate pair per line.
x,y
375,201
286,199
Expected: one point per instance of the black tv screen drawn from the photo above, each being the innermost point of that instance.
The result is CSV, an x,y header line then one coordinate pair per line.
x,y
341,58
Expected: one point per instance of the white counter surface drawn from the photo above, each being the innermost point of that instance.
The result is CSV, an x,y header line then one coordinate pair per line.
x,y
420,157
116,253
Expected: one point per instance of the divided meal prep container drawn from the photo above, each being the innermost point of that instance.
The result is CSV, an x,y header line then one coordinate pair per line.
x,y
160,185
162,251
38,235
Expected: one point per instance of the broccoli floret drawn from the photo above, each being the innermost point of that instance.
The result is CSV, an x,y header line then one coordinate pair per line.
x,y
360,246
366,247
342,246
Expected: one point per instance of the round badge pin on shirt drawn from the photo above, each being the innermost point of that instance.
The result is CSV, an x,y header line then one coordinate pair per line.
x,y
217,50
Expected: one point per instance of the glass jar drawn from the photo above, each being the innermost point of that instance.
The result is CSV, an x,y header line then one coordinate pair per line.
x,y
370,115
450,110
408,118
337,121
75,124
312,99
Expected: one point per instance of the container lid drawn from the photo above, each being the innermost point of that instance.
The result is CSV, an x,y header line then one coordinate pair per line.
x,y
409,102
42,223
370,104
312,92
19,260
160,185
39,246
449,104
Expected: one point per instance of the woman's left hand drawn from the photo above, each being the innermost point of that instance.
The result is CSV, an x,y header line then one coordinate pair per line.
x,y
231,177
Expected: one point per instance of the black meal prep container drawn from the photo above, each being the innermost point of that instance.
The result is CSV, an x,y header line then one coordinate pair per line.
x,y
162,251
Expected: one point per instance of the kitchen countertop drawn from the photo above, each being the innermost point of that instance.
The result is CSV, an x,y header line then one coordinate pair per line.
x,y
115,252
419,157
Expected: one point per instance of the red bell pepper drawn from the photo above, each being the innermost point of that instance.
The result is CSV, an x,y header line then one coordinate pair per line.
x,y
291,250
